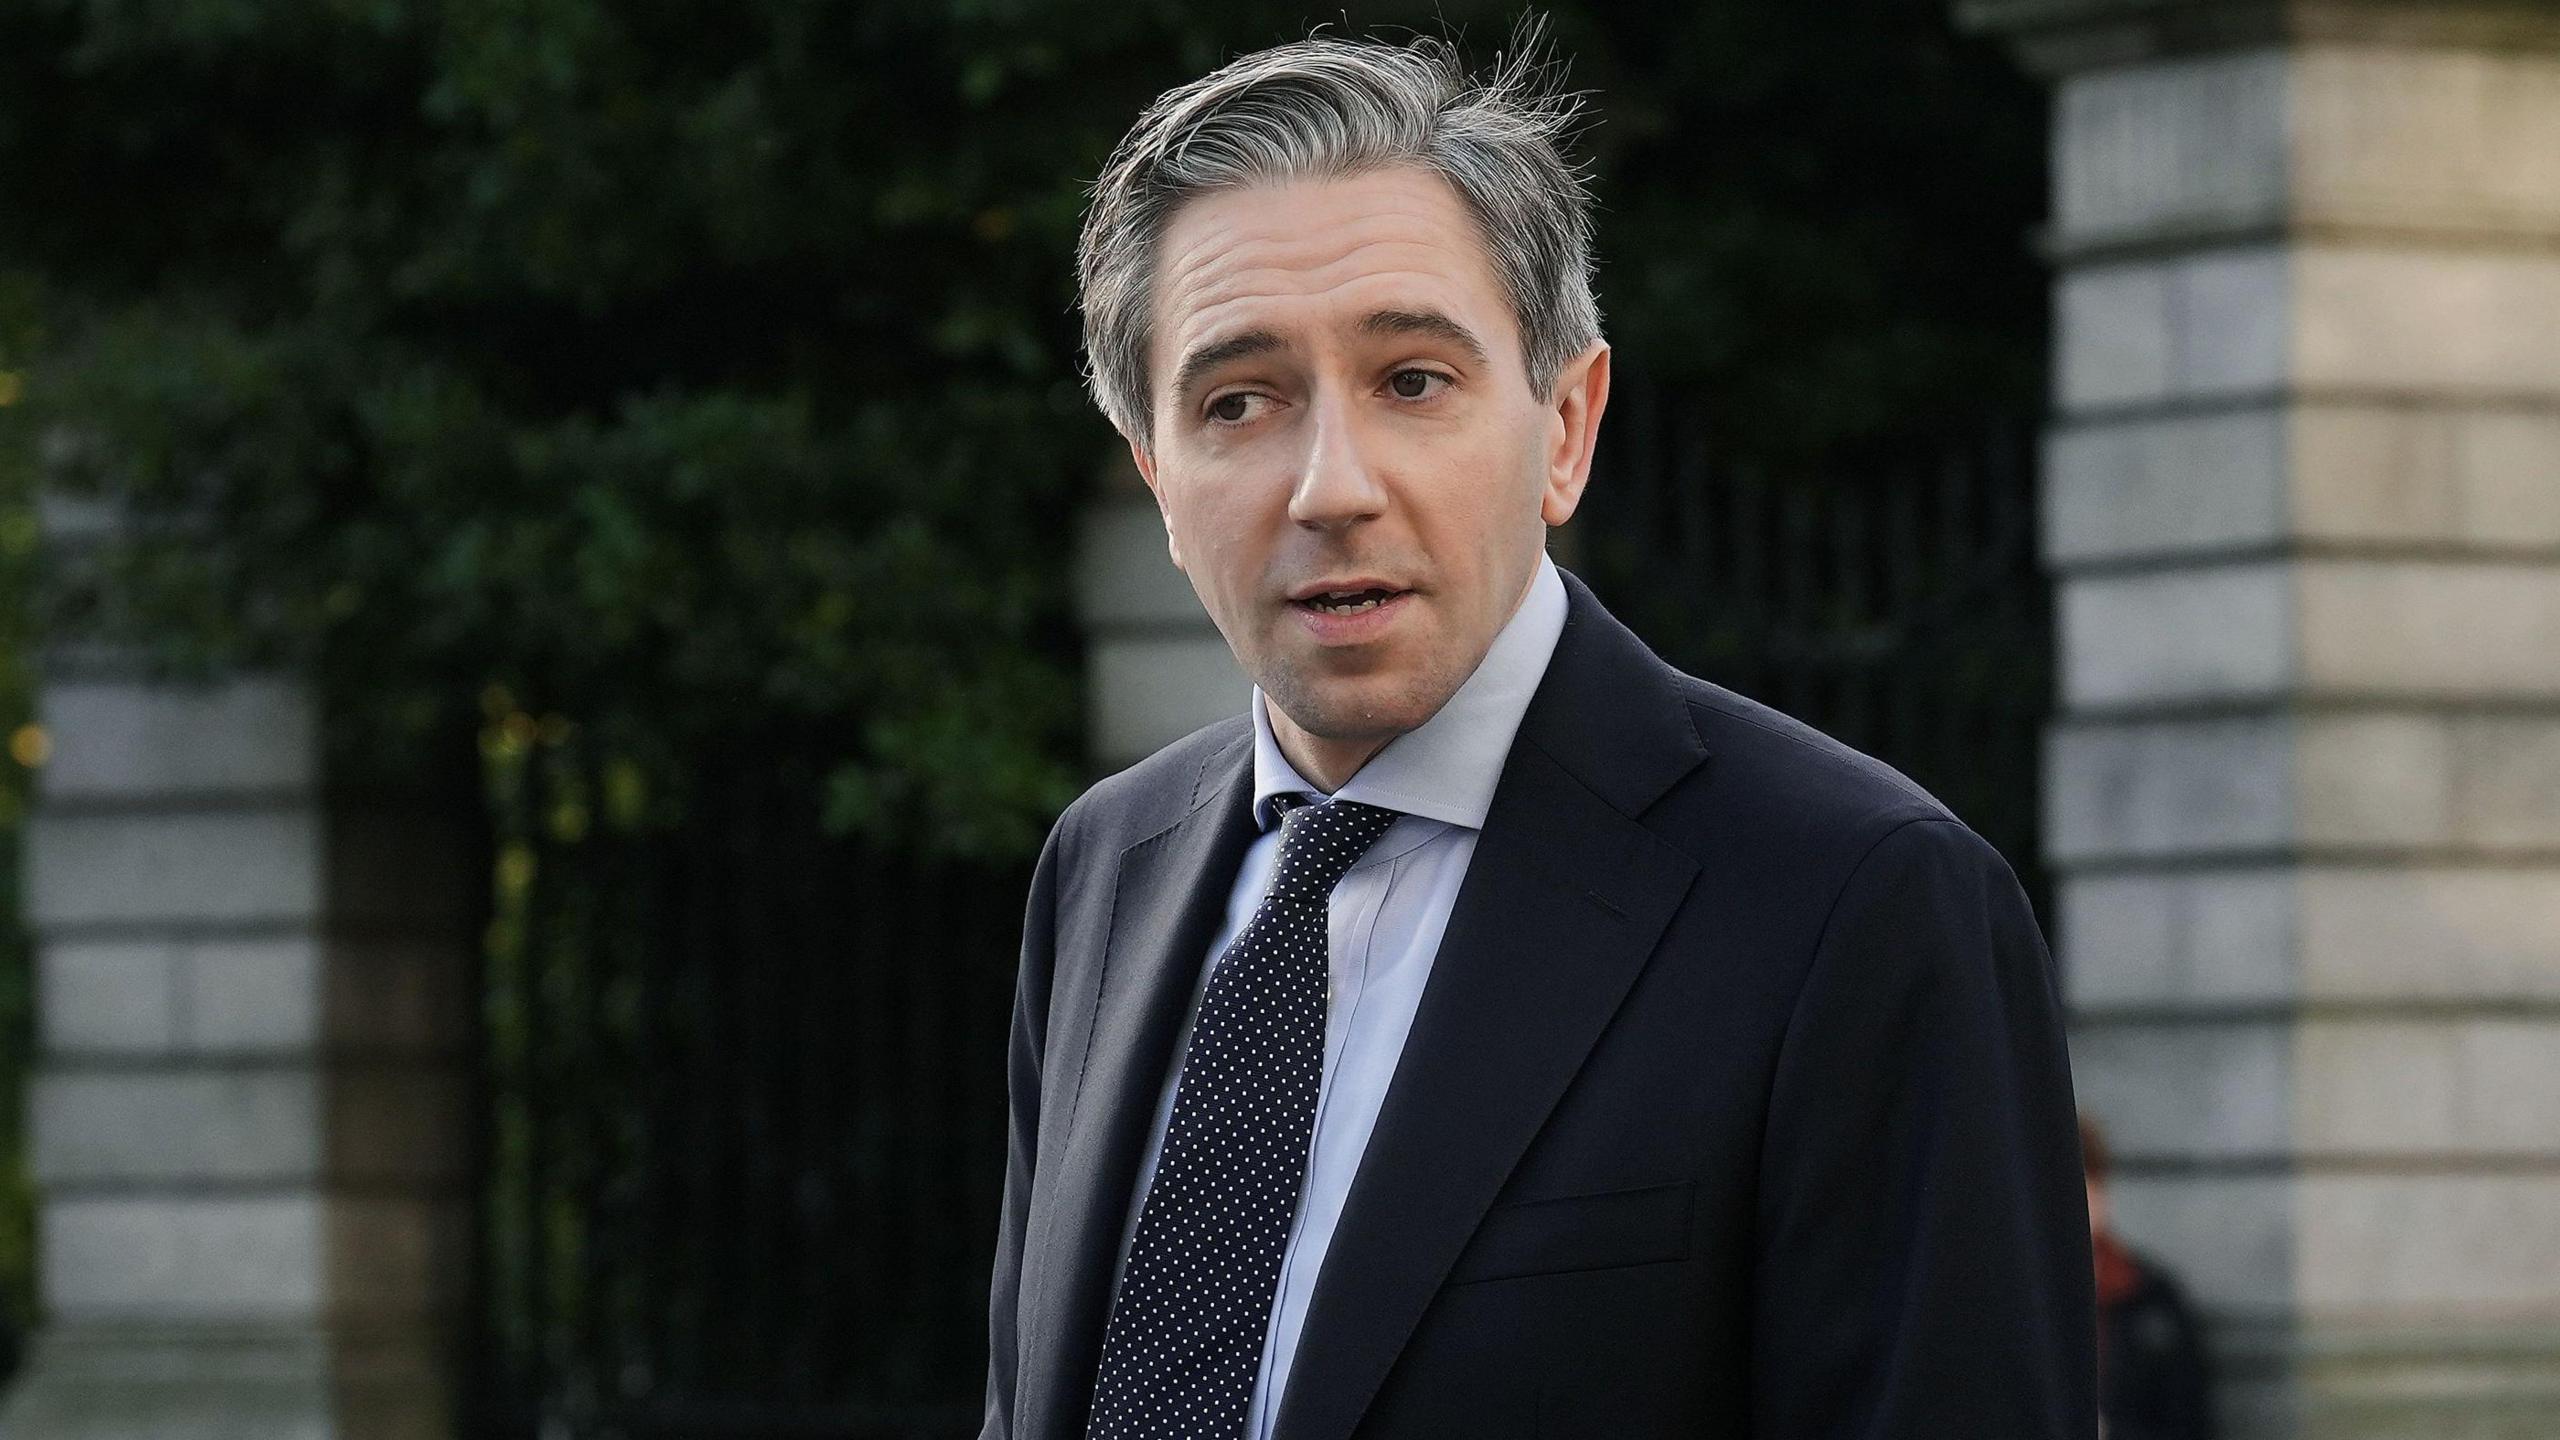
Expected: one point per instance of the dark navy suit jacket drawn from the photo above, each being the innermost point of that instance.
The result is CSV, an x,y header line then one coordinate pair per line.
x,y
1736,1106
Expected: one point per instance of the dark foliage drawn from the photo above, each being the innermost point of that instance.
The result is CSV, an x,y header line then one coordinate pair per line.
x,y
679,371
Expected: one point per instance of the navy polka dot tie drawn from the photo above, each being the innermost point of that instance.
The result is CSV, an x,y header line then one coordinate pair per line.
x,y
1184,1343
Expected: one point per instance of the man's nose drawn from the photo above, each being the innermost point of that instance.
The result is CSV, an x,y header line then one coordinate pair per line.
x,y
1337,485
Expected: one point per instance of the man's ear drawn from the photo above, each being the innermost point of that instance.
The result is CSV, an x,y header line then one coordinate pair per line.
x,y
1581,394
1147,472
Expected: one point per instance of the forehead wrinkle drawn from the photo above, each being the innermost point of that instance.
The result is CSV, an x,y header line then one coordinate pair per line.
x,y
1369,292
1415,293
1244,266
1432,247
1297,250
1422,287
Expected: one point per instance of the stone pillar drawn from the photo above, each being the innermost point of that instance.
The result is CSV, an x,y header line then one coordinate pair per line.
x,y
1156,669
2303,507
251,1102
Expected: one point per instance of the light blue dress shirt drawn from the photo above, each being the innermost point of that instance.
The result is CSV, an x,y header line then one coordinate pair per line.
x,y
1385,922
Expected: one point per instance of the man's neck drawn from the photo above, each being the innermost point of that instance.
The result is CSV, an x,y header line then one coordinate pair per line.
x,y
1327,764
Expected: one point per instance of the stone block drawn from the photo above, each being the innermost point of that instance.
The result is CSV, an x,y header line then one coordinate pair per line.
x,y
150,1406
221,1127
108,997
2181,939
2430,629
2146,789
230,866
1124,577
1146,691
134,740
2485,782
2375,780
2260,629
253,997
2502,477
2229,1237
2439,479
2506,780
2444,1377
249,997
181,1258
234,1382
2425,1244
2427,138
2251,320
2200,632
2197,145
2462,932
2207,325
2370,474
2459,477
2261,1402
2112,337
2183,1090
2270,934
2438,321
2385,782
370,1123
2232,321
2165,484
2436,1088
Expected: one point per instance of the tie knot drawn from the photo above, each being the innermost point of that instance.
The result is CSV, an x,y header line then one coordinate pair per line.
x,y
1318,842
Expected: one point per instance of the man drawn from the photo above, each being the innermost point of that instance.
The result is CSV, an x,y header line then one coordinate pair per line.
x,y
1494,1032
2153,1379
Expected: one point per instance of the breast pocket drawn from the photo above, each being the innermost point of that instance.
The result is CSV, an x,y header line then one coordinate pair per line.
x,y
1642,1226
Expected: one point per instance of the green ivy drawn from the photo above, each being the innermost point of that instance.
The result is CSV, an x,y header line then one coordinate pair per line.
x,y
692,373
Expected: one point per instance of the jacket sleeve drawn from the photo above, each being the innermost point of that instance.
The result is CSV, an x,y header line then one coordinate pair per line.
x,y
1923,1260
1022,1134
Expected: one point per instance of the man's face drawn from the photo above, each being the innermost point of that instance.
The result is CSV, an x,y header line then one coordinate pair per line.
x,y
1354,470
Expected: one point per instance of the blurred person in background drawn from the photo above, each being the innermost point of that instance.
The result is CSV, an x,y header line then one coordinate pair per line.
x,y
2152,1383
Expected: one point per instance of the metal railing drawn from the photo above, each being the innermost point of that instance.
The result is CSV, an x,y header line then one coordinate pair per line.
x,y
743,1080
744,1100
1895,604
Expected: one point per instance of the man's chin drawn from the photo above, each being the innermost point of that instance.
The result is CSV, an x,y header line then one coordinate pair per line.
x,y
1348,713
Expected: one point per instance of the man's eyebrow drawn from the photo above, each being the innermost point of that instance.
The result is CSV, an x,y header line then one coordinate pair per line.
x,y
1218,352
1429,323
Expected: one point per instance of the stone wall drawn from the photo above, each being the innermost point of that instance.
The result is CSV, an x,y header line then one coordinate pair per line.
x,y
251,1110
2303,490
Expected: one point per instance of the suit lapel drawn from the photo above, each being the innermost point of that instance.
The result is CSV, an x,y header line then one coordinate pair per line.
x,y
1170,895
1562,905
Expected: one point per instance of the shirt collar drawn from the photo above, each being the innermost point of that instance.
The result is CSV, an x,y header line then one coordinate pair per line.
x,y
1446,768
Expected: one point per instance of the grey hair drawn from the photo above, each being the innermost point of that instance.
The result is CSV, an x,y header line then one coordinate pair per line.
x,y
1323,108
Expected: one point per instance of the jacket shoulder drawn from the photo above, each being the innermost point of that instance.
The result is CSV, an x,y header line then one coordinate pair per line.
x,y
1129,805
1797,783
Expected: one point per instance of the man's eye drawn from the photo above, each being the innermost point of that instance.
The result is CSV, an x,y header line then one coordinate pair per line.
x,y
1414,384
1231,408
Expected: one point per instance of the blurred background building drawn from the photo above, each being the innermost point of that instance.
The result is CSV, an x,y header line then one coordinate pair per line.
x,y
557,569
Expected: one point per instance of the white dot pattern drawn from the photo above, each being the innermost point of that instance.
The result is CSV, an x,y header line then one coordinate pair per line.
x,y
1185,1336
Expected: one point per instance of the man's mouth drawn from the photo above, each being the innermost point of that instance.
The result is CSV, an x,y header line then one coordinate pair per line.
x,y
1348,602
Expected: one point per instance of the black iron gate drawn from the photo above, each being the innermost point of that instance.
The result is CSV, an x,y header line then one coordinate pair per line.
x,y
1896,604
744,1097
743,1080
